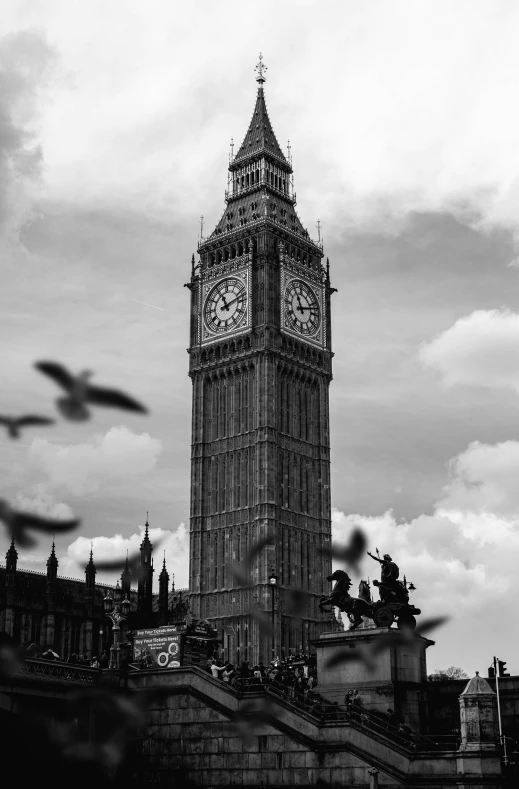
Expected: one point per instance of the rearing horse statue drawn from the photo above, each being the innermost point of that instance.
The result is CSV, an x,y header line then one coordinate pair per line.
x,y
354,607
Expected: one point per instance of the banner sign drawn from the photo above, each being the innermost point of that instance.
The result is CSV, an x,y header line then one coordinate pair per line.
x,y
201,628
157,648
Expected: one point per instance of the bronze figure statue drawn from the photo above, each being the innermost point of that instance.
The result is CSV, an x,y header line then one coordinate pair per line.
x,y
393,603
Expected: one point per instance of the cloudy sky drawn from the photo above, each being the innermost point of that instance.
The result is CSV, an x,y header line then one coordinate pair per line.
x,y
115,123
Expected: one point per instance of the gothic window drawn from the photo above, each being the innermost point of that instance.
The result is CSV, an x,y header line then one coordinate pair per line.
x,y
239,404
229,215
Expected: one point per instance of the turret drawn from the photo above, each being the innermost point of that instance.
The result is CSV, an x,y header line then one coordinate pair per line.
x,y
126,579
163,594
11,561
145,586
52,569
50,619
90,576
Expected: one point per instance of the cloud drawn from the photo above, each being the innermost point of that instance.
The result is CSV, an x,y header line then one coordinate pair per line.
x,y
40,501
478,350
26,61
174,543
119,455
462,558
484,480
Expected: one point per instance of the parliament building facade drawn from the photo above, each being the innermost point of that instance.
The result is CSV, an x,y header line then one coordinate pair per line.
x,y
67,615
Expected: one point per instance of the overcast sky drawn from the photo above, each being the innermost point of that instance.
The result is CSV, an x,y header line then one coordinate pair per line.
x,y
115,124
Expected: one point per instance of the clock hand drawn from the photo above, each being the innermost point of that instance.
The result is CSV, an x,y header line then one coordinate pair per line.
x,y
232,301
225,305
299,302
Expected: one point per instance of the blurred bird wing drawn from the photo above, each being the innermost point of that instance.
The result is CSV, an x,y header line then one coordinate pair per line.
x,y
431,624
5,420
256,548
34,420
112,398
31,521
58,373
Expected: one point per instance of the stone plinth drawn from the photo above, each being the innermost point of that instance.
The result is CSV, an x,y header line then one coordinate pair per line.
x,y
394,677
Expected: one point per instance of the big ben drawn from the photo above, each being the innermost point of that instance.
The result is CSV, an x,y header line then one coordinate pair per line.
x,y
261,367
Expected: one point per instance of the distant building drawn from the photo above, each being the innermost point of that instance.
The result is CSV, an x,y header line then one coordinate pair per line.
x,y
67,614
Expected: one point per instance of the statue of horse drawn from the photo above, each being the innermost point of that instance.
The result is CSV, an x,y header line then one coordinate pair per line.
x,y
354,607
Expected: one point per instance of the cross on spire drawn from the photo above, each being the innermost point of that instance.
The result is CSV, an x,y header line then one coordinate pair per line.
x,y
260,68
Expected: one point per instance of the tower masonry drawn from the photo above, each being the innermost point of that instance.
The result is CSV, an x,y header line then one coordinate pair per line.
x,y
261,367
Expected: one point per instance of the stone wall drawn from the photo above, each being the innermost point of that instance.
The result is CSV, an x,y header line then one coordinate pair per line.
x,y
199,729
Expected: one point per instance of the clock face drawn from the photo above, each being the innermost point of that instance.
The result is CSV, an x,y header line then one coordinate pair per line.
x,y
226,305
302,312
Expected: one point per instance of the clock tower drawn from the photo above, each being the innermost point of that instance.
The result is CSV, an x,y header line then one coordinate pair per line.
x,y
261,366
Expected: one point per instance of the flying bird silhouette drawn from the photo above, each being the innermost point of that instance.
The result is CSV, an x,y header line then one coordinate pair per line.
x,y
368,653
79,391
264,623
15,423
18,523
351,553
240,571
297,602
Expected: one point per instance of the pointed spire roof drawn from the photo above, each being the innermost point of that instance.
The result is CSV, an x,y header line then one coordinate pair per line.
x,y
12,553
164,575
146,541
91,566
52,561
260,138
478,686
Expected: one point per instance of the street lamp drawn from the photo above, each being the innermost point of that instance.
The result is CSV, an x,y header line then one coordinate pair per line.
x,y
117,611
273,580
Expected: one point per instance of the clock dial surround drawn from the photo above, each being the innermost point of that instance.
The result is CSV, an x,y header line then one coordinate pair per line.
x,y
302,310
226,305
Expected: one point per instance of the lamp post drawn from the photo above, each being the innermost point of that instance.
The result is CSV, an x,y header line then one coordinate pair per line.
x,y
273,580
117,611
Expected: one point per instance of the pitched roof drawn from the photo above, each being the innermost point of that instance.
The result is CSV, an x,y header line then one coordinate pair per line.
x,y
260,137
477,686
257,205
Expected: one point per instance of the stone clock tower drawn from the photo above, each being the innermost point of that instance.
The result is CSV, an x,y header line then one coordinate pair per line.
x,y
261,366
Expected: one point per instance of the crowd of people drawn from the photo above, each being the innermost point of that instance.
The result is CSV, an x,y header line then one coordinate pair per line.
x,y
293,680
296,682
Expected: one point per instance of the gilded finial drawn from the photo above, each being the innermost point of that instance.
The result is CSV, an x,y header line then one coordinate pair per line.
x,y
260,68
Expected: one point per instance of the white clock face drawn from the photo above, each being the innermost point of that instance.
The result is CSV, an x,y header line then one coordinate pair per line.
x,y
225,305
302,311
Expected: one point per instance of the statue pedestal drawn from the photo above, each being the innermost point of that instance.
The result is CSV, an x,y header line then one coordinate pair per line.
x,y
397,680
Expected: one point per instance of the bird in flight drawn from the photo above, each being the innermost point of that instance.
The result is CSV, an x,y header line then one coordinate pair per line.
x,y
15,423
79,391
350,553
19,523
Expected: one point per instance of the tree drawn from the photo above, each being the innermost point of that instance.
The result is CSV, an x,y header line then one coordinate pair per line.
x,y
453,672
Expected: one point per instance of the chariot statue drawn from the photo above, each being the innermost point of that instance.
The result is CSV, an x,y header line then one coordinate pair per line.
x,y
394,597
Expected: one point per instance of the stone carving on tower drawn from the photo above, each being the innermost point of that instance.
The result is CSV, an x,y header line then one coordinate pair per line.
x,y
261,366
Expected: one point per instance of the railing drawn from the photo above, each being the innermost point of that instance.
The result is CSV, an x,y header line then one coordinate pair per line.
x,y
332,714
63,672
